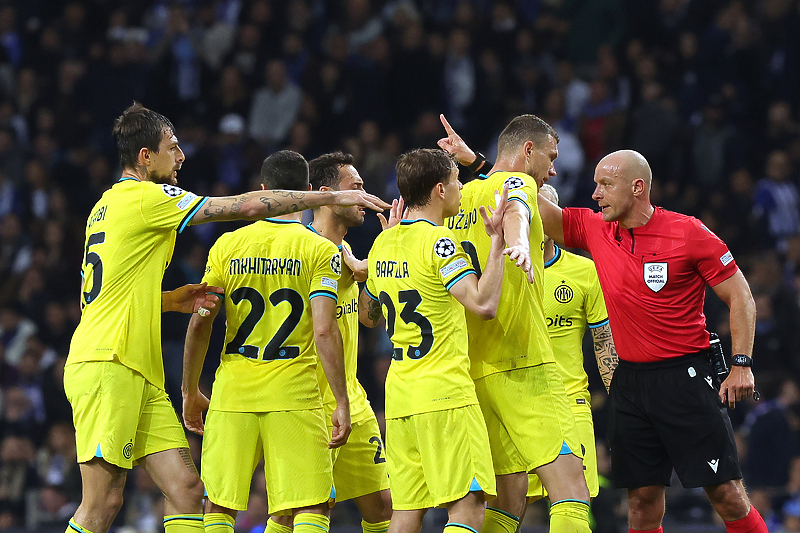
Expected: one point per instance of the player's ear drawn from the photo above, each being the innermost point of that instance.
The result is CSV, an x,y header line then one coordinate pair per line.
x,y
144,156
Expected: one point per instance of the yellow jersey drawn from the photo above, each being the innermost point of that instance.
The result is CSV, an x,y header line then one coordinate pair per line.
x,y
412,267
347,318
573,301
130,236
517,337
270,271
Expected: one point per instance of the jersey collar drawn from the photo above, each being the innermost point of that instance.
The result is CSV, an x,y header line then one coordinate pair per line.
x,y
555,257
312,228
279,221
126,179
407,222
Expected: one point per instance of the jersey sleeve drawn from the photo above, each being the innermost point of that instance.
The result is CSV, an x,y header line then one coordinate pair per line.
x,y
169,207
448,258
523,190
711,256
214,273
326,270
575,223
596,312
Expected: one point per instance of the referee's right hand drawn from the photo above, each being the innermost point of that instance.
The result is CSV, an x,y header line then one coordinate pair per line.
x,y
193,406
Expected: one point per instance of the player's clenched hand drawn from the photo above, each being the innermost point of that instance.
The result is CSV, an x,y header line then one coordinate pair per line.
x,y
455,145
341,426
193,406
360,198
739,385
396,213
357,266
190,298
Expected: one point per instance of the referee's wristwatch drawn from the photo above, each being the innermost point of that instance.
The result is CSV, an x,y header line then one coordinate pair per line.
x,y
741,359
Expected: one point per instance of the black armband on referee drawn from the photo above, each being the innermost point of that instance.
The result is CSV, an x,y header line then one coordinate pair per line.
x,y
479,163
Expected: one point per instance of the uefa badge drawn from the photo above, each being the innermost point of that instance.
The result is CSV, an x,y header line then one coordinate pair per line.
x,y
655,276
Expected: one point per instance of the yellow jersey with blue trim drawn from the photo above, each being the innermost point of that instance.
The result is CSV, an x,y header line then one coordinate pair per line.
x,y
412,267
270,270
130,237
573,301
347,318
517,337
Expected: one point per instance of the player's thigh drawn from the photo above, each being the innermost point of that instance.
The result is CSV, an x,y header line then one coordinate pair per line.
x,y
528,416
231,451
359,467
297,462
585,426
159,428
441,456
107,401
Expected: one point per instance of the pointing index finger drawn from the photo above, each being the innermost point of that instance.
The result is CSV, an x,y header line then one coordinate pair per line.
x,y
447,127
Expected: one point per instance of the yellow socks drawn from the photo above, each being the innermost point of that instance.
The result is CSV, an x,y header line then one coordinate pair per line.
x,y
569,516
73,527
497,521
183,523
378,527
218,523
311,523
274,527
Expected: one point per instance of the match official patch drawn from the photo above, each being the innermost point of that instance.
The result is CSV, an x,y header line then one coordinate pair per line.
x,y
186,200
336,264
445,247
332,283
171,190
455,266
726,259
514,183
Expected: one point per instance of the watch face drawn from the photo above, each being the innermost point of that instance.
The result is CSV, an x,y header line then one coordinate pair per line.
x,y
742,360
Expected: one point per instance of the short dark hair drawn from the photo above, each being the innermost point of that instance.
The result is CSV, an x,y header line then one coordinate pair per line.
x,y
524,128
136,128
324,170
285,170
418,172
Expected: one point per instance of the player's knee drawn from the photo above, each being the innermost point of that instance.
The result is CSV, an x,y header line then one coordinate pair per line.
x,y
186,494
112,504
376,507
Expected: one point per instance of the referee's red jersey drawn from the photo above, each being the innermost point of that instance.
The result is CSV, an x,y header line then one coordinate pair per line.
x,y
653,279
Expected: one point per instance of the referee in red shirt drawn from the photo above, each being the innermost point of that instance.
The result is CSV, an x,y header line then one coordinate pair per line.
x,y
666,409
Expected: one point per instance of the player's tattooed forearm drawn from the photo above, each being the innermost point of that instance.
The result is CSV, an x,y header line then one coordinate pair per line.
x,y
187,459
605,352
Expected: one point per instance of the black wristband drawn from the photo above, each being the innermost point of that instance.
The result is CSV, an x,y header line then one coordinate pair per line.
x,y
479,159
741,359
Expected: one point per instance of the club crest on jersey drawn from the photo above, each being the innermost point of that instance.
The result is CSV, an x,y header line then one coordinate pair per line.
x,y
171,190
514,183
444,247
655,276
336,264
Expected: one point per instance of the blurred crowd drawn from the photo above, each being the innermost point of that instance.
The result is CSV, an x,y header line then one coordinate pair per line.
x,y
707,90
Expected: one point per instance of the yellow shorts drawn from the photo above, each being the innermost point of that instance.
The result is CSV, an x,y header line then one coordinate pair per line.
x,y
294,444
118,414
437,458
528,417
582,410
359,467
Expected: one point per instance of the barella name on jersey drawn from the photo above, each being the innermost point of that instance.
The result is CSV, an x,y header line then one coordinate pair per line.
x,y
463,220
391,269
346,308
265,266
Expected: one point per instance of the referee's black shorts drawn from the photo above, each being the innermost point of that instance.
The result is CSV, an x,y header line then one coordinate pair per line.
x,y
666,415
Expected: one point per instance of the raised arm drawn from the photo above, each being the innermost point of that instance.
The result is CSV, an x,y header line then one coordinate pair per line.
x,y
190,298
552,219
735,292
605,353
328,339
194,354
257,205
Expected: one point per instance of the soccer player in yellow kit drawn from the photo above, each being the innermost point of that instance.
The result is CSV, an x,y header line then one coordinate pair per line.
x,y
359,467
438,448
281,282
114,376
530,423
574,301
